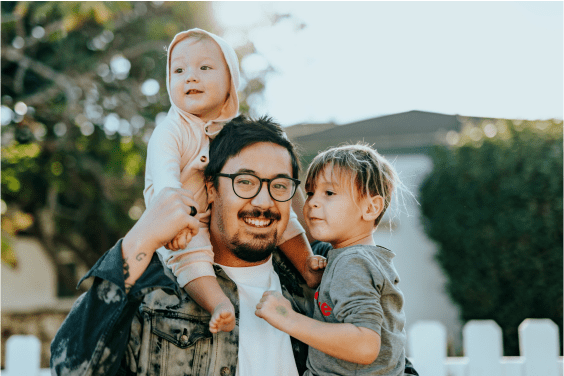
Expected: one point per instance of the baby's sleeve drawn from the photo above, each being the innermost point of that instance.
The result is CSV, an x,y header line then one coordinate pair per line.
x,y
355,290
163,161
293,229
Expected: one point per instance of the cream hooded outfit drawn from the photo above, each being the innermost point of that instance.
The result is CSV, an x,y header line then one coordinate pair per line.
x,y
177,156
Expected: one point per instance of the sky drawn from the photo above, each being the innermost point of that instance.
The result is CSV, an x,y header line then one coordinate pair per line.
x,y
343,62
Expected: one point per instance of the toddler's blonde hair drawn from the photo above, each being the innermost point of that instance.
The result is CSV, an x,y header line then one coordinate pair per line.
x,y
369,173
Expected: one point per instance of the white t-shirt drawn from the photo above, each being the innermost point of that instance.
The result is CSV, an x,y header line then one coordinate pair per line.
x,y
263,349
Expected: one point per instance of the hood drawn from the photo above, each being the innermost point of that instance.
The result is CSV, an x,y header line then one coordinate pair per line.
x,y
231,106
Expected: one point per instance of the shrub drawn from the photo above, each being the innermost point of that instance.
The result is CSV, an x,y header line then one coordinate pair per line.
x,y
493,204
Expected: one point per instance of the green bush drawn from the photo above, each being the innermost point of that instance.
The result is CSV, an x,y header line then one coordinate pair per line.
x,y
494,207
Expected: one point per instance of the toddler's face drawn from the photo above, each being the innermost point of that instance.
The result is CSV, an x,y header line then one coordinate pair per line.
x,y
199,78
331,213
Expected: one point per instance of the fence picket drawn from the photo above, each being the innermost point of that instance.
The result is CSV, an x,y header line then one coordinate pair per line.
x,y
22,356
483,345
538,345
427,344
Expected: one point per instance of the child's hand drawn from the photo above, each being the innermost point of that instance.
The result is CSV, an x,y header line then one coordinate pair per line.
x,y
314,270
275,309
180,241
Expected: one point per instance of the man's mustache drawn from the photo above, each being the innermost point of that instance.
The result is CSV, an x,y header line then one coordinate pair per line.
x,y
257,213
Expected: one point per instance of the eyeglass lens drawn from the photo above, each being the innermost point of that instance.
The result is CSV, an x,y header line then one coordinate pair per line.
x,y
246,186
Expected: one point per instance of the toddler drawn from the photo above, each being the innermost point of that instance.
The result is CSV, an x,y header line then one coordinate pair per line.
x,y
358,321
202,80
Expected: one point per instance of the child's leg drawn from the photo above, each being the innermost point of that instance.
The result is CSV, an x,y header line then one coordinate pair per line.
x,y
193,270
206,292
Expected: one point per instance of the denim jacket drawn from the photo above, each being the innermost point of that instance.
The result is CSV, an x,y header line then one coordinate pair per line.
x,y
156,329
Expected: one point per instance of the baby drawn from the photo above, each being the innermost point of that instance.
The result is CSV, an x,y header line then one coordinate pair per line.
x,y
358,321
202,81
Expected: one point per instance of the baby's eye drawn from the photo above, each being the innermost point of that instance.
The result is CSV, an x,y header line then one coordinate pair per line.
x,y
178,70
205,67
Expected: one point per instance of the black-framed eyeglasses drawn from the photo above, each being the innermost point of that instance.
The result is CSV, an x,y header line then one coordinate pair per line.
x,y
247,185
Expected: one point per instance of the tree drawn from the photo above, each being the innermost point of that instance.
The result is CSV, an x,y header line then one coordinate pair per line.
x,y
82,86
493,203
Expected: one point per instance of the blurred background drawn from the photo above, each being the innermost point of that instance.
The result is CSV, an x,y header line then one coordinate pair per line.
x,y
465,98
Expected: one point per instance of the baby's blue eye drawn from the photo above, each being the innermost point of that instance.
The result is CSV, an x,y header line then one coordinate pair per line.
x,y
205,67
178,70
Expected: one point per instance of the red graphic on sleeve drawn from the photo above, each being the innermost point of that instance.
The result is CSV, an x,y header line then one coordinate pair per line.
x,y
324,307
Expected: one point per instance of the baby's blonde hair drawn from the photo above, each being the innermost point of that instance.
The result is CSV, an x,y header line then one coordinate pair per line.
x,y
369,172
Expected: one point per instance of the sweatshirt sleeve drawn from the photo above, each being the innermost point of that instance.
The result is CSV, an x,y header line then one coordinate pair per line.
x,y
356,288
163,161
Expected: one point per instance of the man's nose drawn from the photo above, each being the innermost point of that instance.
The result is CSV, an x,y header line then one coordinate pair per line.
x,y
263,199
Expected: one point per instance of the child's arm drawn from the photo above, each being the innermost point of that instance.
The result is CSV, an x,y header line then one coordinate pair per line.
x,y
300,255
343,341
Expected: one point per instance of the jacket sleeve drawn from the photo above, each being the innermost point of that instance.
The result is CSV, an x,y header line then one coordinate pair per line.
x,y
94,336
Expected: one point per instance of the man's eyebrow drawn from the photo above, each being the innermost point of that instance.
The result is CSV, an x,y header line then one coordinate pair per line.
x,y
249,171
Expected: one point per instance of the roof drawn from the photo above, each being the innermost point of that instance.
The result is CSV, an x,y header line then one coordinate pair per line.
x,y
407,132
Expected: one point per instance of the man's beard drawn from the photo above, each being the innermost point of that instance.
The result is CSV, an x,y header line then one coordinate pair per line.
x,y
257,250
261,246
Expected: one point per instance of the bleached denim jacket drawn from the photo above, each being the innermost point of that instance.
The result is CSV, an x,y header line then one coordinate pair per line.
x,y
156,329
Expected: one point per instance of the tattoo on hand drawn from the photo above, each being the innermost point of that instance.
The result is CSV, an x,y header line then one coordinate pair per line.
x,y
140,256
281,310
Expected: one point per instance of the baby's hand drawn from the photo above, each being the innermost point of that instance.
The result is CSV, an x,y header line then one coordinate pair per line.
x,y
314,270
275,309
180,241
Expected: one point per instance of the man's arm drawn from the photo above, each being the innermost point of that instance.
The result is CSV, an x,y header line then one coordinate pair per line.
x,y
343,341
94,336
168,214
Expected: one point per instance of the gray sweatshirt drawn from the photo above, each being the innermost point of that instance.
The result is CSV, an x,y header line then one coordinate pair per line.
x,y
360,286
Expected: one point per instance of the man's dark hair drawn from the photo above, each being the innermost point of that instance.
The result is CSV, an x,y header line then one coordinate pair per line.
x,y
242,132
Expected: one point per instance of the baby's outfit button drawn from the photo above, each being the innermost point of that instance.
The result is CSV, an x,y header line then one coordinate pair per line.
x,y
203,158
225,371
184,339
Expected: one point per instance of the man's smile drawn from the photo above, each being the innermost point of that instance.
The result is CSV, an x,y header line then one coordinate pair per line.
x,y
257,222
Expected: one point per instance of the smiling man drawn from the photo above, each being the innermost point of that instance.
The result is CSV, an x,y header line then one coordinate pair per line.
x,y
156,328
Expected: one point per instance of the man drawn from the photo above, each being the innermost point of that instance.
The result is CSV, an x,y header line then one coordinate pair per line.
x,y
136,320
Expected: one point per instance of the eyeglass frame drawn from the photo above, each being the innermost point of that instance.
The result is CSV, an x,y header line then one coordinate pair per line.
x,y
233,176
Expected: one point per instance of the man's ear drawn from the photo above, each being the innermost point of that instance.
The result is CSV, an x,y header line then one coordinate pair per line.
x,y
211,191
372,207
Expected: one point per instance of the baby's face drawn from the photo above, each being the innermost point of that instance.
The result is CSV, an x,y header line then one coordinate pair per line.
x,y
199,78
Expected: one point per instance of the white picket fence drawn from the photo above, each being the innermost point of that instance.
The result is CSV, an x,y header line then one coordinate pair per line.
x,y
427,344
539,347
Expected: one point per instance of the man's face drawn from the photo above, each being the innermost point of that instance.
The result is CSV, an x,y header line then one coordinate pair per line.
x,y
199,78
245,231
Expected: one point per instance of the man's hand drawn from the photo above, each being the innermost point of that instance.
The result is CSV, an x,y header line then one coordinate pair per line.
x,y
168,214
276,310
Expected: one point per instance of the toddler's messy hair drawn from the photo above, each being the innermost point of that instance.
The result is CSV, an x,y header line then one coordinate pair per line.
x,y
369,173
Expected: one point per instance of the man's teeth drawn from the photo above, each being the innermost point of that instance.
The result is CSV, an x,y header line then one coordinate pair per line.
x,y
257,222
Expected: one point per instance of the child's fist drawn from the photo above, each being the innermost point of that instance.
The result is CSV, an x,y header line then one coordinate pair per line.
x,y
180,241
275,309
313,272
